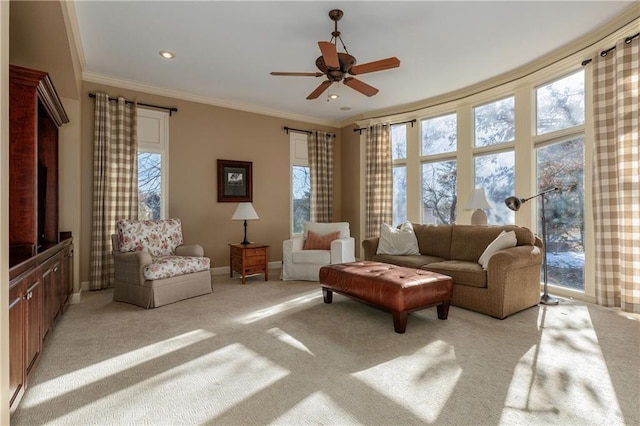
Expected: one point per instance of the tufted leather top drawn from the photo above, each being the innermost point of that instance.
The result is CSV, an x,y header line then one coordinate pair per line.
x,y
389,286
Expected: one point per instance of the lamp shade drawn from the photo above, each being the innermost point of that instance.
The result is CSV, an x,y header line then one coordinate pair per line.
x,y
245,211
478,200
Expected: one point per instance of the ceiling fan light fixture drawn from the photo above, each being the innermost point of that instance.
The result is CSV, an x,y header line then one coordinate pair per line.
x,y
166,54
333,96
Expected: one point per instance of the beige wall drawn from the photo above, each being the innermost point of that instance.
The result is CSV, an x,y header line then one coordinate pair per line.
x,y
200,134
350,182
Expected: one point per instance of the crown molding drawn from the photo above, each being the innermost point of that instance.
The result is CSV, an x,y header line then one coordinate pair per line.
x,y
175,94
71,18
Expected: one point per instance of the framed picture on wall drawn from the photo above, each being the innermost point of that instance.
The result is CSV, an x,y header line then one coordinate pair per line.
x,y
235,181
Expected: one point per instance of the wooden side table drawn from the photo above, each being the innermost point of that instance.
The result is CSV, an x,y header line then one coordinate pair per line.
x,y
247,259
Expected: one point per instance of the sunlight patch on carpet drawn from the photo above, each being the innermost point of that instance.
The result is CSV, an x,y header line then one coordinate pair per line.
x,y
318,409
103,370
193,392
421,383
289,340
279,308
565,376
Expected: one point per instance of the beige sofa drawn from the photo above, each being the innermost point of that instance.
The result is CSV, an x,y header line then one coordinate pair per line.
x,y
511,282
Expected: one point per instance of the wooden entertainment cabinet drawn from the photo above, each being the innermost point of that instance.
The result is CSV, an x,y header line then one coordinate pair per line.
x,y
40,257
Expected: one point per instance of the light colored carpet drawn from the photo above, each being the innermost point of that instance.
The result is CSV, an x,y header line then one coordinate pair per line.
x,y
274,353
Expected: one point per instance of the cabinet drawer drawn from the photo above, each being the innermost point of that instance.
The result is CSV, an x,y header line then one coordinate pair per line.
x,y
255,252
251,261
254,269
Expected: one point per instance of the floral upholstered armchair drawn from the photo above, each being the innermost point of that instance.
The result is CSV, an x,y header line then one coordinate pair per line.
x,y
152,267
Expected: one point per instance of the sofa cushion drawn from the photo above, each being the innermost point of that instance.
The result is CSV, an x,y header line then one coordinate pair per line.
x,y
312,256
434,240
397,241
468,242
503,240
463,273
316,241
158,237
416,261
171,266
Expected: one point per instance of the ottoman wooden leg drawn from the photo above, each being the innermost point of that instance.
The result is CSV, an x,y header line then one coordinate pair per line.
x,y
443,310
400,321
327,295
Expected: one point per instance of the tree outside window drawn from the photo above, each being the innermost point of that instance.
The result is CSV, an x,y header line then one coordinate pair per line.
x,y
149,185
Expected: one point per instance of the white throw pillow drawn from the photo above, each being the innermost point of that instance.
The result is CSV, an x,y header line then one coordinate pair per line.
x,y
396,241
502,241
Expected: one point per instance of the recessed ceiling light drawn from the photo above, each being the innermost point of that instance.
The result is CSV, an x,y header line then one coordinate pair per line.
x,y
345,108
167,55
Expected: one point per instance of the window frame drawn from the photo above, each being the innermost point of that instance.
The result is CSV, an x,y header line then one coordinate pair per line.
x,y
159,146
296,158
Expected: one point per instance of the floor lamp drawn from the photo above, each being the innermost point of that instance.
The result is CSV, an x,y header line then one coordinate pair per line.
x,y
514,204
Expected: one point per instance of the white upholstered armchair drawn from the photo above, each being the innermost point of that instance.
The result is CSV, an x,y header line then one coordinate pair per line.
x,y
321,244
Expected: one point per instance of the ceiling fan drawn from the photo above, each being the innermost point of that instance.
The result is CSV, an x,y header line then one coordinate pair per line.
x,y
336,65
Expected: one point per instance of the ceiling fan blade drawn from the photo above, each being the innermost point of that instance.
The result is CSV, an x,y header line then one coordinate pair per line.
x,y
382,64
329,54
299,74
360,86
323,86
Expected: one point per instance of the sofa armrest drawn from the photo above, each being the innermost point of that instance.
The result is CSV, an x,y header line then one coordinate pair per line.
x,y
370,247
343,250
515,258
129,266
289,246
195,250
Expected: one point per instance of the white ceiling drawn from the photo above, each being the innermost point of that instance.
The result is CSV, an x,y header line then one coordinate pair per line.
x,y
226,49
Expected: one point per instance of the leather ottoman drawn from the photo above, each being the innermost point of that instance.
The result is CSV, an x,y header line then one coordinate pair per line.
x,y
392,288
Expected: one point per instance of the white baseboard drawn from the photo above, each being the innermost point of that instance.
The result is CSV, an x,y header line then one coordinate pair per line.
x,y
75,298
84,286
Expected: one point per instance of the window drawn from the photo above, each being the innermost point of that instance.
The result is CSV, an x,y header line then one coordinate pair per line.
x,y
300,183
560,163
149,185
494,167
560,105
495,173
153,159
439,169
495,122
399,157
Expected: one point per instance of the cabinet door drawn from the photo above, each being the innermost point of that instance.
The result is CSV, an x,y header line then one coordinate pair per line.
x,y
51,280
33,315
68,274
16,342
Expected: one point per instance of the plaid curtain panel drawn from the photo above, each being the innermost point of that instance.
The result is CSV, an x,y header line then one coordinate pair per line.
x,y
115,181
379,179
320,147
616,185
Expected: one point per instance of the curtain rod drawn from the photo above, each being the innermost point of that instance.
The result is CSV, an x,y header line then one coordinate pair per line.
x,y
170,109
401,122
309,132
606,51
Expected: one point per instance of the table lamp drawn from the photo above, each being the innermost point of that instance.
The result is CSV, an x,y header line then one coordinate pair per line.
x,y
478,201
245,211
